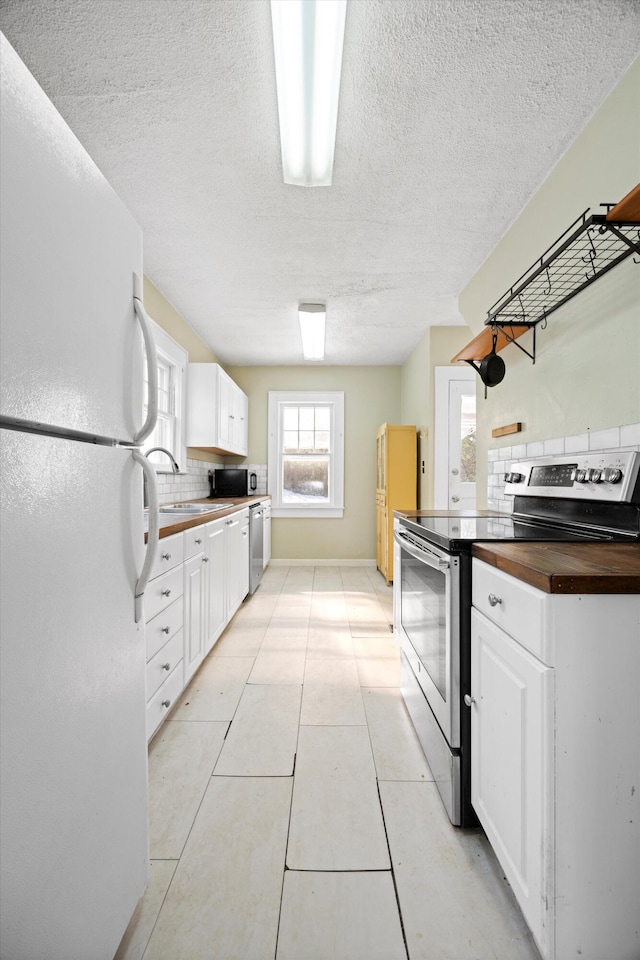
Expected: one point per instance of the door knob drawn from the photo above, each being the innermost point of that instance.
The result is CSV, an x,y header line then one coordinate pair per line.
x,y
455,472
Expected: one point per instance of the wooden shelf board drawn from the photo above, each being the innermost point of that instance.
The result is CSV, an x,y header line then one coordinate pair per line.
x,y
480,346
628,209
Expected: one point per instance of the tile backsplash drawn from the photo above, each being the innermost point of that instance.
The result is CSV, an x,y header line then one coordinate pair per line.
x,y
194,484
500,459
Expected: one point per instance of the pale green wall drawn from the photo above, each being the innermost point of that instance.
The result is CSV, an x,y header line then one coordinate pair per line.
x,y
587,371
436,348
372,396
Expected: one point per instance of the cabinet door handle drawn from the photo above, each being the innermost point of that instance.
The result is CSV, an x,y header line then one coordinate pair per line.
x,y
166,593
165,556
469,700
205,559
166,666
198,539
493,600
165,629
166,703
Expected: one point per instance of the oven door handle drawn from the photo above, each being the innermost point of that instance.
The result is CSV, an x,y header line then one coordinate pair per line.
x,y
421,553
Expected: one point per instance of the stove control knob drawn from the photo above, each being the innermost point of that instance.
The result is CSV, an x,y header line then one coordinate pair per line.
x,y
594,475
611,475
580,476
513,477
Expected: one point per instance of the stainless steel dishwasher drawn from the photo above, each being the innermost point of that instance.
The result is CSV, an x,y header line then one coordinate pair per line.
x,y
256,545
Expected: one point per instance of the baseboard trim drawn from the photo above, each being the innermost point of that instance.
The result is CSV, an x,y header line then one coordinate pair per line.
x,y
322,563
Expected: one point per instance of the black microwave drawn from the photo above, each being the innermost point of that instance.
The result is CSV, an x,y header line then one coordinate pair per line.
x,y
229,483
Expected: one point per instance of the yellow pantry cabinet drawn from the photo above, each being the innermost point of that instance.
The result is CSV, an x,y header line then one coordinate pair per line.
x,y
396,483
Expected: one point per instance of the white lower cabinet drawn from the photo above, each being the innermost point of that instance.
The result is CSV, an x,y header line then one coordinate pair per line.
x,y
201,578
164,616
194,614
216,577
555,763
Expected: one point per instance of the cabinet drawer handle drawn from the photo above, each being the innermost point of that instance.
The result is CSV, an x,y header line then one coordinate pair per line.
x,y
493,600
205,559
469,700
165,556
166,666
166,703
165,629
166,593
198,540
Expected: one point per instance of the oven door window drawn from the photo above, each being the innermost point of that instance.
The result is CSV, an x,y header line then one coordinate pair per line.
x,y
424,618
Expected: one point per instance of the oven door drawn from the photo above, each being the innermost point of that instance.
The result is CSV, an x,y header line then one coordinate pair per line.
x,y
428,625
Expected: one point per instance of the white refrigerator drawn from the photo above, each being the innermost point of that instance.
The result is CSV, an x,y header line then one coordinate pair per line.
x,y
73,775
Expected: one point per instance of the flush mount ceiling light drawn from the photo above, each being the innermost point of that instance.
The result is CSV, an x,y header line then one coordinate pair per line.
x,y
308,36
312,320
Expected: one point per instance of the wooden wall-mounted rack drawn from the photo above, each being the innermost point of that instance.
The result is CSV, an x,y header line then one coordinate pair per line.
x,y
588,249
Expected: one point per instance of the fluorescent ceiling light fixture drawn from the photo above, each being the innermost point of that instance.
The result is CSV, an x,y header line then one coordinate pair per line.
x,y
312,320
308,36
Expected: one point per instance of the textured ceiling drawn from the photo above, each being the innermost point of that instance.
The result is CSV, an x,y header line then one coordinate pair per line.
x,y
447,107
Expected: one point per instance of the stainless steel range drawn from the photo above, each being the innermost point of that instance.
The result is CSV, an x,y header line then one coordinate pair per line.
x,y
583,498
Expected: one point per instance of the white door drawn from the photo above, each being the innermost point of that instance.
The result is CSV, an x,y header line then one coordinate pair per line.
x,y
462,445
455,439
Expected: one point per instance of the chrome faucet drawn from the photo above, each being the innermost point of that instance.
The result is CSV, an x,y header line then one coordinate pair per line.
x,y
174,467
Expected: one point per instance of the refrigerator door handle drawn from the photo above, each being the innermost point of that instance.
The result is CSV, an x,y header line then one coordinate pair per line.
x,y
152,537
152,364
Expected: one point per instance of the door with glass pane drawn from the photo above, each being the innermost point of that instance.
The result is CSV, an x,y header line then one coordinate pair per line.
x,y
462,445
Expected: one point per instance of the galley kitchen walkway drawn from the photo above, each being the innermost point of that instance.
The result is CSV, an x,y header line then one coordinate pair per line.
x,y
292,813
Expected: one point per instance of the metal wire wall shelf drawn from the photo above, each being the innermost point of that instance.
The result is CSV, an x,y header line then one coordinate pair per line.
x,y
589,248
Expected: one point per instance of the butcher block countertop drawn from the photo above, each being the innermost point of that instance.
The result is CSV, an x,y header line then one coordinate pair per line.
x,y
175,523
567,567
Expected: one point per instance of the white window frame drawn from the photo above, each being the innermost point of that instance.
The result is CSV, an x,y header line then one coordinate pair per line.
x,y
333,399
176,357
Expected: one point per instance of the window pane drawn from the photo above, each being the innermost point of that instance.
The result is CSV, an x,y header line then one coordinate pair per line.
x,y
305,480
290,441
306,418
468,439
323,418
322,441
290,418
306,441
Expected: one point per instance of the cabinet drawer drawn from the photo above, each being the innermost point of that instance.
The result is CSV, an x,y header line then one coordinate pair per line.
x,y
163,699
164,663
170,553
194,541
163,626
162,591
514,606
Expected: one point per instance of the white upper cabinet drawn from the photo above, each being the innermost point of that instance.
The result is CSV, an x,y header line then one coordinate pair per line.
x,y
217,410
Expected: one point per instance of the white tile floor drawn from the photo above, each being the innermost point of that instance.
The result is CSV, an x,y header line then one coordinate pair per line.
x,y
292,812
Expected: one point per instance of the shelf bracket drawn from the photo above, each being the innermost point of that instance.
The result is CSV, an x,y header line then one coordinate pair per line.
x,y
512,339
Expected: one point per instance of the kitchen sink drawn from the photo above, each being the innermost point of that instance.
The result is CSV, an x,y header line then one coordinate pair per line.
x,y
193,508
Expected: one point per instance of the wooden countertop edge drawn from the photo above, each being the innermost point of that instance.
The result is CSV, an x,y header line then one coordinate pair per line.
x,y
186,523
597,580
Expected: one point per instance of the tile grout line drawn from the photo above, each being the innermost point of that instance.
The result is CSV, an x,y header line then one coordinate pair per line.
x,y
393,875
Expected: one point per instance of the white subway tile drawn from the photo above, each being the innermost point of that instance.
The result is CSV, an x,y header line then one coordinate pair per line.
x,y
605,439
519,452
554,446
535,449
493,454
630,435
578,443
